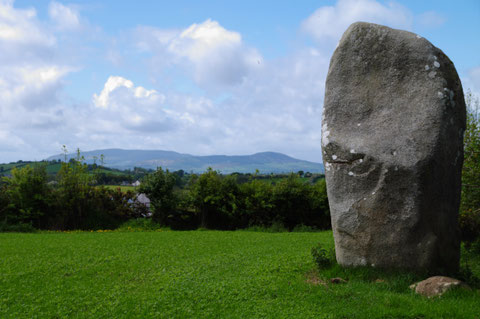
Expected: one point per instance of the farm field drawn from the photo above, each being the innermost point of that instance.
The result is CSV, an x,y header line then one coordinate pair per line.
x,y
122,188
199,274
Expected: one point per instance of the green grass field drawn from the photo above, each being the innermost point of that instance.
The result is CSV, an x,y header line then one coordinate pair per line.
x,y
122,188
198,274
52,168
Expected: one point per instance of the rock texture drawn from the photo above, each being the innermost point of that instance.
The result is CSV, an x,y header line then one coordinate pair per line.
x,y
437,286
392,145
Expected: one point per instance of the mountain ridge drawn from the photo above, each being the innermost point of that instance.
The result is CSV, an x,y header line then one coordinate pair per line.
x,y
265,162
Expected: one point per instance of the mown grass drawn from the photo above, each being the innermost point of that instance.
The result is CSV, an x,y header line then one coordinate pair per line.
x,y
199,274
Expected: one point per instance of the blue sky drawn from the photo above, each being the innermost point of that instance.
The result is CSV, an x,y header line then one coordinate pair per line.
x,y
198,77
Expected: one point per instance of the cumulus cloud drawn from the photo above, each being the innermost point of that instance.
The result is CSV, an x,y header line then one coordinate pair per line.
x,y
278,108
214,54
106,98
31,79
122,105
328,23
20,27
65,17
28,74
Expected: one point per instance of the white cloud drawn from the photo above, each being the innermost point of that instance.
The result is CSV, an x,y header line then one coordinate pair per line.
x,y
20,26
28,75
114,83
66,18
471,81
200,40
215,55
328,23
277,108
474,76
31,81
123,106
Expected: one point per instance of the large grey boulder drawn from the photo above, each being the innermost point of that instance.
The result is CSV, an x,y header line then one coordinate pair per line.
x,y
392,145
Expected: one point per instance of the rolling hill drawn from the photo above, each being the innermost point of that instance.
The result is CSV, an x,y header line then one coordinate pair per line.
x,y
265,162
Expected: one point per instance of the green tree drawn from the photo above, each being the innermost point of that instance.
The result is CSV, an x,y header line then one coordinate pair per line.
x,y
159,188
258,202
470,202
320,211
291,198
74,188
28,196
216,199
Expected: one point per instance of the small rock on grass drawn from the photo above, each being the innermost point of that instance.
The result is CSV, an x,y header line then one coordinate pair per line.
x,y
437,286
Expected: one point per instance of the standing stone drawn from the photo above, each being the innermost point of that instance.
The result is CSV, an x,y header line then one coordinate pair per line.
x,y
392,143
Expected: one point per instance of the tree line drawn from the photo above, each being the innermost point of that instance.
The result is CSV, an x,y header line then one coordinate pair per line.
x,y
29,199
214,201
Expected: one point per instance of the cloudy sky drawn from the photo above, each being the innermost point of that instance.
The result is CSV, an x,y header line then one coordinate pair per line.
x,y
198,77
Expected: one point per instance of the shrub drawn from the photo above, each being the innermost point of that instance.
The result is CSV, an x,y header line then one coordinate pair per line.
x,y
16,228
139,224
304,229
321,257
469,222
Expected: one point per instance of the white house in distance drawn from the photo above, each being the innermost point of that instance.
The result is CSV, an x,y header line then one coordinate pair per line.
x,y
137,183
143,199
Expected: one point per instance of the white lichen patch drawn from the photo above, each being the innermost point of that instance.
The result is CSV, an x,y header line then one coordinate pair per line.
x,y
440,94
418,37
373,193
436,64
334,157
359,124
325,132
352,151
328,166
350,173
360,160
394,153
434,57
432,74
427,68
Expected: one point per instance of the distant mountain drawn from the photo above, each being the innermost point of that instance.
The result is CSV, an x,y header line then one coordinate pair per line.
x,y
266,162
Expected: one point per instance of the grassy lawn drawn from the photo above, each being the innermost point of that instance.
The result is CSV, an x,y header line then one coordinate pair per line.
x,y
198,274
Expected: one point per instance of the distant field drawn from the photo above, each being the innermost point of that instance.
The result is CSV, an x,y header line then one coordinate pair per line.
x,y
123,188
274,180
195,274
52,168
